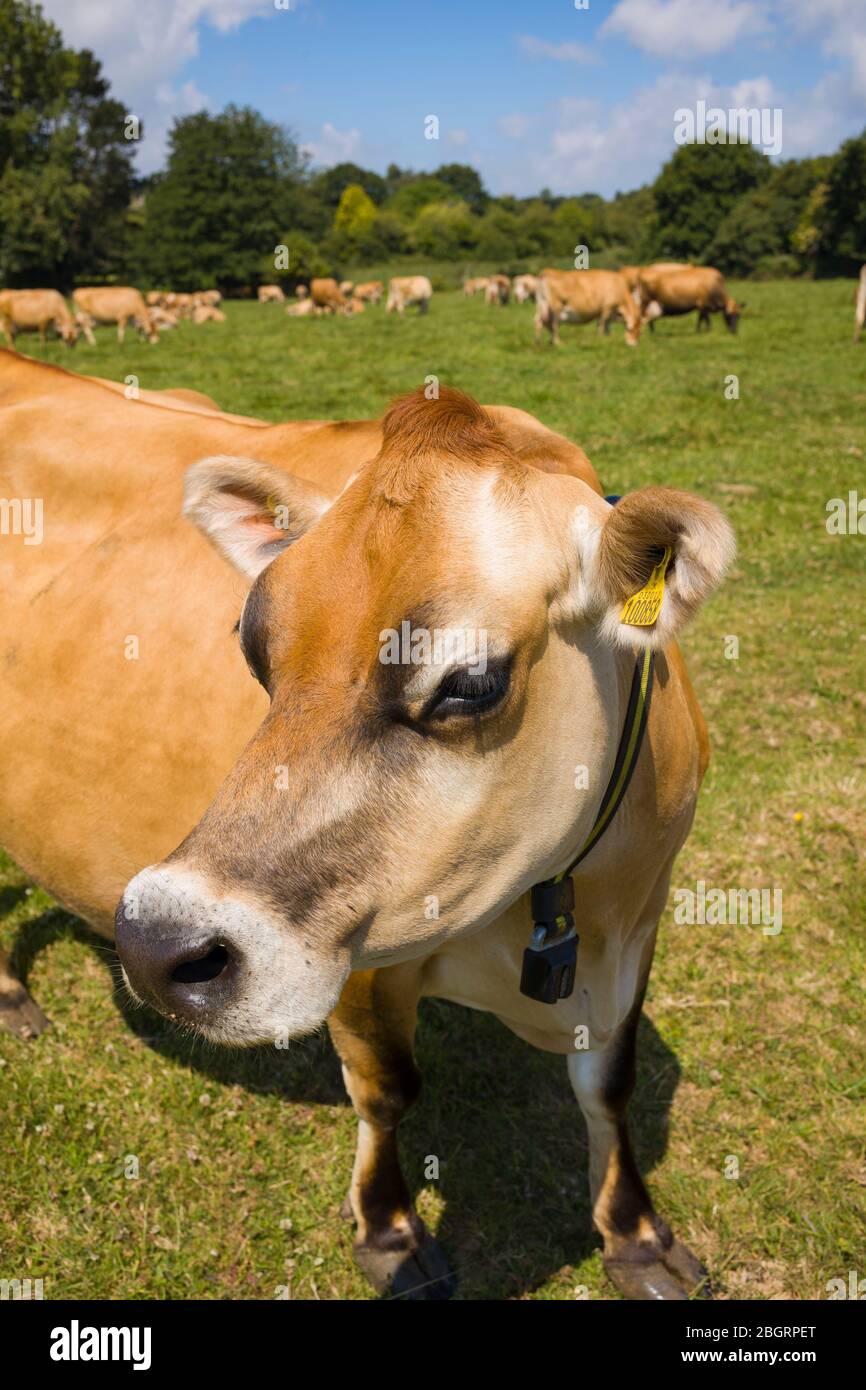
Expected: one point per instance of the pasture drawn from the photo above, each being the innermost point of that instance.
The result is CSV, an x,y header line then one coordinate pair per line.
x,y
751,1045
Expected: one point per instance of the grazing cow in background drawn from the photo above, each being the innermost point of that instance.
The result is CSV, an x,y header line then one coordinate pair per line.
x,y
113,304
270,294
498,290
860,306
154,299
346,287
404,290
524,287
212,297
326,293
478,284
696,288
207,313
404,778
31,311
370,291
632,274
355,306
301,291
580,296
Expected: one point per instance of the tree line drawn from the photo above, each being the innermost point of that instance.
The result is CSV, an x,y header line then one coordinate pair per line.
x,y
236,187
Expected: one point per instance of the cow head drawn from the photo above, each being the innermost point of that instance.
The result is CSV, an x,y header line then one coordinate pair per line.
x,y
732,313
442,646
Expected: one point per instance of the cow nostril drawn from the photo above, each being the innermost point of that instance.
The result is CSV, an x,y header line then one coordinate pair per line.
x,y
194,972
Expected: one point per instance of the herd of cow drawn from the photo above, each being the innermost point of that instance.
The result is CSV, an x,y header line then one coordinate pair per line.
x,y
34,311
634,295
324,295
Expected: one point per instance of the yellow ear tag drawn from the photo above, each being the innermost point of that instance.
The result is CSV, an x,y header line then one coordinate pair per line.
x,y
642,609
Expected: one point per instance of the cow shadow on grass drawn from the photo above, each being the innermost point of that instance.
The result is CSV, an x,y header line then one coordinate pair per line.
x,y
496,1117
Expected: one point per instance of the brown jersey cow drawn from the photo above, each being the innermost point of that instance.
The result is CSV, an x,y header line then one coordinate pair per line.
x,y
692,289
113,304
581,296
31,311
344,808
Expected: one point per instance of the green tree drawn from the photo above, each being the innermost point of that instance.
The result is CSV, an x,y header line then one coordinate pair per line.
x,y
694,192
629,220
330,184
843,220
356,211
411,197
445,230
306,259
465,182
227,195
575,224
535,229
758,234
66,175
498,234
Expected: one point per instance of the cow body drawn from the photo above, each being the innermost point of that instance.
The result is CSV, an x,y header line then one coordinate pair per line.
x,y
584,296
327,295
113,304
270,294
370,291
207,313
303,308
498,290
860,305
477,284
405,290
524,287
31,311
688,289
443,511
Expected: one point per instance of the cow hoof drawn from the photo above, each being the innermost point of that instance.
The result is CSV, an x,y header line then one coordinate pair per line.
x,y
419,1274
20,1016
672,1274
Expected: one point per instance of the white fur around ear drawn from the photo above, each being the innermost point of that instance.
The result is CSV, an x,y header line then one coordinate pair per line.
x,y
249,510
632,542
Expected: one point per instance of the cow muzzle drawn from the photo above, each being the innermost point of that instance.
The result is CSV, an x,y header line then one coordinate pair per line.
x,y
225,965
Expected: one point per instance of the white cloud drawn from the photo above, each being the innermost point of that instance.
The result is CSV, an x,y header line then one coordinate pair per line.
x,y
753,91
841,27
458,137
142,46
335,146
682,29
560,52
515,127
600,149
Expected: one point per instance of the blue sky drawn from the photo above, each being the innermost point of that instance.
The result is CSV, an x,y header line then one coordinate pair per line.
x,y
532,94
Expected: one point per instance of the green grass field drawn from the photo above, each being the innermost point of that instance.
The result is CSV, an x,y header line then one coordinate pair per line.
x,y
752,1045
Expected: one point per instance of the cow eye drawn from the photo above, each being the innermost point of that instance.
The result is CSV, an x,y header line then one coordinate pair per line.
x,y
466,692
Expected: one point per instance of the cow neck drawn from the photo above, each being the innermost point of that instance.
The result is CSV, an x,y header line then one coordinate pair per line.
x,y
550,959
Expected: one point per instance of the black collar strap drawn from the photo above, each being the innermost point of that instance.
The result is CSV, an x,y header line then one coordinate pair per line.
x,y
550,960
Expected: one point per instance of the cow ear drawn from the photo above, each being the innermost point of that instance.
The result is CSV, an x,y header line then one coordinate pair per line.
x,y
657,556
249,510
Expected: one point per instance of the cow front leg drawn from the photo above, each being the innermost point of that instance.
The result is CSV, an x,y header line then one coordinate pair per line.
x,y
373,1028
18,1013
641,1255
